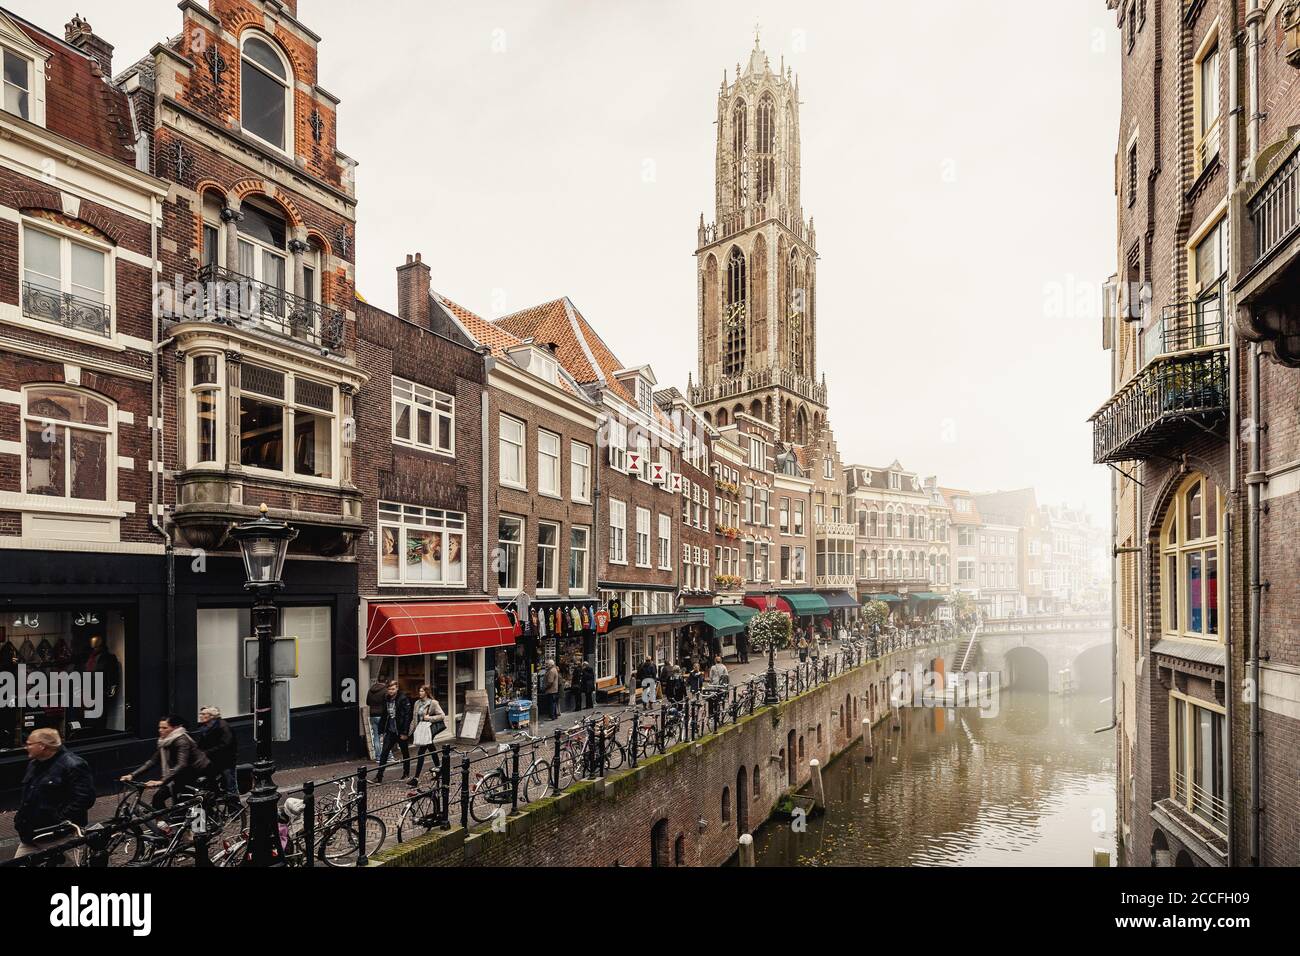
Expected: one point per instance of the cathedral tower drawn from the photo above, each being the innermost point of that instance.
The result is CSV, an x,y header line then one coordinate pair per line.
x,y
756,264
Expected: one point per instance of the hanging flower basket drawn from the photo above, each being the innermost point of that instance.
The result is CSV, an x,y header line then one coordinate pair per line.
x,y
769,628
875,612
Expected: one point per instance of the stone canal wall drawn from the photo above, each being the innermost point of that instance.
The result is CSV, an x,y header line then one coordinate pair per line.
x,y
688,806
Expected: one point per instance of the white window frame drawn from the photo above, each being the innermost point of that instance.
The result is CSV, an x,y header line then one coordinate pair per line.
x,y
110,445
423,399
584,587
518,546
193,391
401,518
643,537
67,238
580,472
548,465
521,451
36,59
665,542
289,82
553,586
618,445
617,531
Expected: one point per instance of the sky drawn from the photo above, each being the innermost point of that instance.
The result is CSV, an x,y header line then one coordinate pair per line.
x,y
958,160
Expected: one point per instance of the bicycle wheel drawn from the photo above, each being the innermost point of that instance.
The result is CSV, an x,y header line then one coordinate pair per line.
x,y
419,817
615,755
491,792
567,769
672,734
536,782
341,845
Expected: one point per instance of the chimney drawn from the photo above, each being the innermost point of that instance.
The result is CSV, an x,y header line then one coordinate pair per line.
x,y
413,291
82,35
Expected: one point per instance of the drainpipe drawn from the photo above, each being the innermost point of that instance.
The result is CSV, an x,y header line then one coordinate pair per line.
x,y
1230,323
1226,619
1254,480
155,465
1254,17
1234,423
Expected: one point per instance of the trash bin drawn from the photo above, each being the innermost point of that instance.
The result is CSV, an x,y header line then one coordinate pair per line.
x,y
520,712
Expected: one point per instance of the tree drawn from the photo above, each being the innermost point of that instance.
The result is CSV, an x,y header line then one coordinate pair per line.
x,y
769,627
875,613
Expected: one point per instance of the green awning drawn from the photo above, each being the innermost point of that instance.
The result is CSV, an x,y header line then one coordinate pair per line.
x,y
741,612
927,596
806,603
718,619
887,598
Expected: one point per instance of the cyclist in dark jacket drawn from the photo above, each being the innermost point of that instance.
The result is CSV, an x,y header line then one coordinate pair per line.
x,y
58,786
217,740
180,762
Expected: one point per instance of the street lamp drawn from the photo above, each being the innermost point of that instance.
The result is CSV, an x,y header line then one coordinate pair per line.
x,y
263,544
770,697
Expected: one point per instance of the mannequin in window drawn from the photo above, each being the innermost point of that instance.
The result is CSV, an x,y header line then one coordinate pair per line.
x,y
99,660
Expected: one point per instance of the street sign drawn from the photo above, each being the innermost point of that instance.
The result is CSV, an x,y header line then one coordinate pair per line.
x,y
284,657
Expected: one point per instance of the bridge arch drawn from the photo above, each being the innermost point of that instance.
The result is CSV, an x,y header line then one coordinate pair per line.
x,y
1026,669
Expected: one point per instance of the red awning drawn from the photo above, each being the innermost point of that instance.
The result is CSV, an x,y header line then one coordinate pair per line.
x,y
403,630
760,602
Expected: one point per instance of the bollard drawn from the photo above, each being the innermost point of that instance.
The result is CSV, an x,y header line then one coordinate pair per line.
x,y
818,788
868,744
362,803
746,843
514,777
555,764
309,823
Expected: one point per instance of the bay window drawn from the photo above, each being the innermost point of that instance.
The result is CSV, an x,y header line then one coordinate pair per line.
x,y
70,446
421,545
286,423
423,417
207,412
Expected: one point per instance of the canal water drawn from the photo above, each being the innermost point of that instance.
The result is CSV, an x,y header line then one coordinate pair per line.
x,y
1025,783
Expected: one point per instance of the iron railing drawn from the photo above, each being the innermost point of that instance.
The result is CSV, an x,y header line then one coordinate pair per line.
x,y
1184,327
1154,408
1204,805
70,311
1275,209
236,299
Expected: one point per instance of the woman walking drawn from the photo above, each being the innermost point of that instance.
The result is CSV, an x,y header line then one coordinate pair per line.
x,y
427,721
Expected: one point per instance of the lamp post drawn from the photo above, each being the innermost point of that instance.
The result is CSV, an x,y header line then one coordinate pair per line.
x,y
264,544
770,696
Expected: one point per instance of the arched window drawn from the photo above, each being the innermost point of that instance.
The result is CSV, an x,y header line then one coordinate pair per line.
x,y
766,147
69,443
739,156
796,307
735,318
265,92
710,295
1191,551
726,804
873,564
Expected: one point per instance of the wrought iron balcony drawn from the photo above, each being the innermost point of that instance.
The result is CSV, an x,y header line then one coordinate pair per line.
x,y
1184,327
232,298
70,311
1179,393
1275,209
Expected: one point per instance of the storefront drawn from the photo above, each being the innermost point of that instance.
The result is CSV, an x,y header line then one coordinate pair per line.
x,y
713,627
562,631
843,608
633,638
82,650
922,604
806,608
444,645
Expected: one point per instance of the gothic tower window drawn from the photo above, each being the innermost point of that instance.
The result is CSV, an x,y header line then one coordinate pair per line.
x,y
735,317
710,293
795,308
739,156
758,297
766,147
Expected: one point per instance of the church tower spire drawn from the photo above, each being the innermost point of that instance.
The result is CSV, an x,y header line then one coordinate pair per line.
x,y
757,262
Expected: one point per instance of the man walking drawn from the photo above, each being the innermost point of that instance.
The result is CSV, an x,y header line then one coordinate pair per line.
x,y
57,786
396,726
645,675
375,702
551,690
587,675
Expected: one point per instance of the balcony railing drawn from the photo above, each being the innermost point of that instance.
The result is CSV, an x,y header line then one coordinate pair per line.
x,y
1205,805
235,299
835,529
1153,410
801,385
1275,209
753,215
70,311
1185,327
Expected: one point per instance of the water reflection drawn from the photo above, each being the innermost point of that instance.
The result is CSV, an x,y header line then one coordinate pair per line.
x,y
1031,786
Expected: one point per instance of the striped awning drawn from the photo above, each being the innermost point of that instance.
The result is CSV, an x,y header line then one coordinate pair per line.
x,y
406,630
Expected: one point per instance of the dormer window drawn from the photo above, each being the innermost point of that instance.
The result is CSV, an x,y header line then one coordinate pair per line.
x,y
644,395
18,84
265,92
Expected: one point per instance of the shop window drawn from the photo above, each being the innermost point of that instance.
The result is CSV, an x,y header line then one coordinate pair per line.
x,y
83,655
220,634
70,446
421,545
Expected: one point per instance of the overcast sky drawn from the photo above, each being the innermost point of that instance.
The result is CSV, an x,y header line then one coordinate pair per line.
x,y
957,158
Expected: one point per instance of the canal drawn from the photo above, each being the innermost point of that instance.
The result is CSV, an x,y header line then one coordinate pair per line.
x,y
1024,783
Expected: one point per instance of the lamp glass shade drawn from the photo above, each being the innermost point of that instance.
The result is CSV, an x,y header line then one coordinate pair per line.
x,y
264,558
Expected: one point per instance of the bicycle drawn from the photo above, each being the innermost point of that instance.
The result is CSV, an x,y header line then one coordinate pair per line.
x,y
494,789
340,837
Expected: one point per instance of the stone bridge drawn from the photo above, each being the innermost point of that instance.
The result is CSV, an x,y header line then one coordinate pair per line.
x,y
1056,653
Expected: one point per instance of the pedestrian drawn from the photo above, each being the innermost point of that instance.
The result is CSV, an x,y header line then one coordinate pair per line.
x,y
395,729
58,786
375,701
665,676
551,689
645,676
588,675
428,720
217,740
180,761
742,646
803,649
718,672
678,684
695,680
